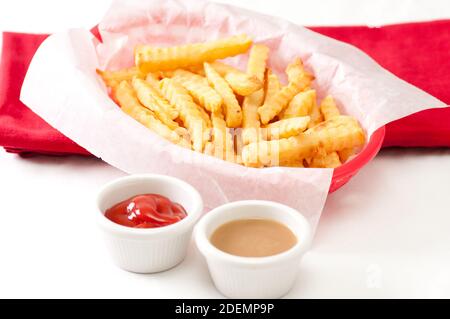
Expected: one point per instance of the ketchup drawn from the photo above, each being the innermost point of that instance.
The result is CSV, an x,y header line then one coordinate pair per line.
x,y
146,211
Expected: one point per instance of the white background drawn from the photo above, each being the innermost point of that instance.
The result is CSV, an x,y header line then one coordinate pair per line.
x,y
385,234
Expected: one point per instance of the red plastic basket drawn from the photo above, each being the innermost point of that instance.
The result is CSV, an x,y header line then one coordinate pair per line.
x,y
344,173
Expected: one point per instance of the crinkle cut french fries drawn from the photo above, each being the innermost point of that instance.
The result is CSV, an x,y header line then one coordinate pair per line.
x,y
189,97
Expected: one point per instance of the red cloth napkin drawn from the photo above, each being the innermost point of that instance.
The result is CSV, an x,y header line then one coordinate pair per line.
x,y
416,52
21,130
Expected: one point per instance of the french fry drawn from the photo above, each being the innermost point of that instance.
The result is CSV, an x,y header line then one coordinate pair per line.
x,y
209,149
297,74
273,85
288,127
189,112
223,68
295,163
345,154
300,105
238,144
114,78
204,116
197,69
326,111
250,118
222,139
148,97
257,61
328,108
278,152
150,59
337,134
277,103
202,111
198,87
130,104
333,135
232,109
153,81
299,80
242,83
316,116
330,160
127,99
151,85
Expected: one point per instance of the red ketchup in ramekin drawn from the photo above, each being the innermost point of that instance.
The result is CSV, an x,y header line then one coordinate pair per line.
x,y
146,211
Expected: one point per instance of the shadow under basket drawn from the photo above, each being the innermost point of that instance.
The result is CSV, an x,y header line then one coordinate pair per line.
x,y
344,173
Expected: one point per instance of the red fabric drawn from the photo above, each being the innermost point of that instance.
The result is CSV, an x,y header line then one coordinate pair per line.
x,y
21,130
416,52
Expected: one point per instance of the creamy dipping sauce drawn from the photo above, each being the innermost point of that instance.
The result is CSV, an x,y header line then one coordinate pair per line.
x,y
253,238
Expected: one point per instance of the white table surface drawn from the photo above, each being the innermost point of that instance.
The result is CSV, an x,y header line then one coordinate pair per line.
x,y
385,234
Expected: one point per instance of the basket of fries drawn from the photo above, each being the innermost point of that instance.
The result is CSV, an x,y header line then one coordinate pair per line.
x,y
239,104
184,94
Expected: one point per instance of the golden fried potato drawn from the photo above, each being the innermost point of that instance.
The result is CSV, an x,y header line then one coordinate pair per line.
x,y
153,80
222,139
150,99
257,61
345,154
333,135
190,113
299,80
288,127
297,75
277,103
129,103
197,69
272,85
150,59
205,116
209,149
295,163
114,78
330,160
250,118
200,90
328,108
223,68
232,109
316,116
278,152
338,133
301,105
241,83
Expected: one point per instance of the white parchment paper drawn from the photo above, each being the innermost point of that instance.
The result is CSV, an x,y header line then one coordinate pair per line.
x,y
63,88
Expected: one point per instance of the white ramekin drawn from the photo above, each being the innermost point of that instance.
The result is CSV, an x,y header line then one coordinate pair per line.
x,y
152,249
253,277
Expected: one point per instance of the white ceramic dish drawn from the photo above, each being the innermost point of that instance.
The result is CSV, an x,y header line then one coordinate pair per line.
x,y
152,249
253,277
